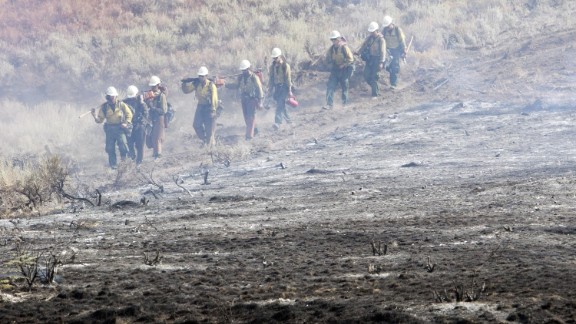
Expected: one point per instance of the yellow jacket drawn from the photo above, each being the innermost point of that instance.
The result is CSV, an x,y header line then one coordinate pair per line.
x,y
114,114
249,86
339,56
394,38
207,93
377,46
280,73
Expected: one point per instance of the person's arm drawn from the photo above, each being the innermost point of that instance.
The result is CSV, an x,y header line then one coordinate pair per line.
x,y
289,79
382,50
364,44
329,58
163,102
258,84
402,40
214,99
127,112
348,56
271,80
100,117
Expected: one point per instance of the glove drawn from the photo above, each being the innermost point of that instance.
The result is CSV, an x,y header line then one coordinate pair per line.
x,y
213,114
404,54
93,112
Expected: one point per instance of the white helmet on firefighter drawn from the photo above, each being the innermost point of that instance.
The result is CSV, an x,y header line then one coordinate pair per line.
x,y
244,65
154,80
335,34
276,52
132,91
111,91
203,71
387,21
373,27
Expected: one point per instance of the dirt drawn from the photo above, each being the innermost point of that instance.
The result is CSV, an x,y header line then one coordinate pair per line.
x,y
450,199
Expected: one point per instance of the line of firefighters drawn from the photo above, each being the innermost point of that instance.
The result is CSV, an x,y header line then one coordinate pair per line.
x,y
140,119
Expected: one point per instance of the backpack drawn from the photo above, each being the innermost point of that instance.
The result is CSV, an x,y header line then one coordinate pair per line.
x,y
365,54
169,115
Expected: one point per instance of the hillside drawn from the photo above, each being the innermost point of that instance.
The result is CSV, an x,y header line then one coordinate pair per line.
x,y
449,199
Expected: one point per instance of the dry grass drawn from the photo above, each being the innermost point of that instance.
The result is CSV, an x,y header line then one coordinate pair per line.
x,y
70,51
85,46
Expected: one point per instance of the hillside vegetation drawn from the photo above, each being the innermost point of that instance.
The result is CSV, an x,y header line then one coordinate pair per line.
x,y
71,50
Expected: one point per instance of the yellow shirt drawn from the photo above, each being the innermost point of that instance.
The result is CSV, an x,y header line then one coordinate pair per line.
x,y
377,46
207,94
340,55
250,86
114,114
280,74
394,37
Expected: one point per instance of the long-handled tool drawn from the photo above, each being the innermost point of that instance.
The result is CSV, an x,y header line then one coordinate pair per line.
x,y
408,48
84,114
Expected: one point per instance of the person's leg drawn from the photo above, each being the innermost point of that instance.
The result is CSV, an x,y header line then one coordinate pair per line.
x,y
331,87
249,112
395,67
138,137
160,136
131,145
111,148
198,124
122,143
345,83
367,75
373,76
209,126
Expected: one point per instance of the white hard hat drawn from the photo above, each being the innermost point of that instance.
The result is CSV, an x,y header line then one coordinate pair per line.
x,y
203,71
154,80
387,21
373,27
276,52
244,64
335,34
132,91
111,91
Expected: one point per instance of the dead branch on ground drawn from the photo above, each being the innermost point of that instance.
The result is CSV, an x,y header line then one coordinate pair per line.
x,y
430,266
179,181
150,179
378,248
152,262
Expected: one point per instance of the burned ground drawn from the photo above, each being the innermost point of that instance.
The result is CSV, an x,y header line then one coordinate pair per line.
x,y
454,187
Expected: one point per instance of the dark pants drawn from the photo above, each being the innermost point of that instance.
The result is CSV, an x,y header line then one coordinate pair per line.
x,y
136,143
249,106
280,95
205,124
394,66
115,135
157,134
342,77
371,74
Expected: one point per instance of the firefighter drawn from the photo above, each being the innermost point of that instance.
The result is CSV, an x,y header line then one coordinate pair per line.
x,y
373,52
396,48
341,61
140,123
158,106
249,87
118,117
280,86
206,110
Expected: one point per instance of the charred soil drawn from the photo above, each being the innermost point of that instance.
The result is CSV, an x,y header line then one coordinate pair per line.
x,y
450,199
